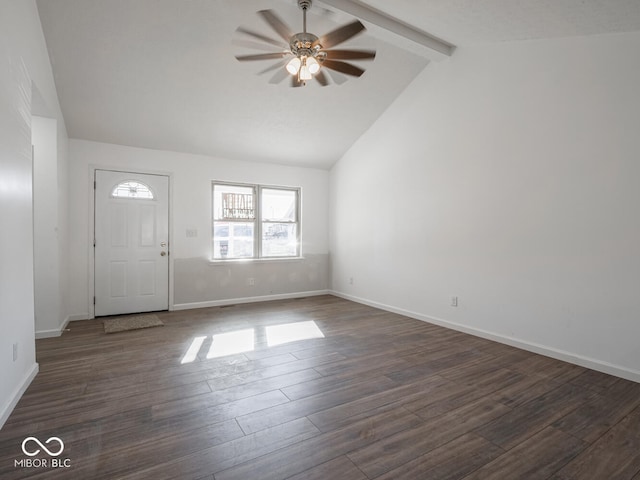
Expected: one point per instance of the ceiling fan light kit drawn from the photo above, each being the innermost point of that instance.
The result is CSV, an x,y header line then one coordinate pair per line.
x,y
310,54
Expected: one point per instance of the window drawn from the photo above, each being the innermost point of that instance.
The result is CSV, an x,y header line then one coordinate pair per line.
x,y
255,221
279,212
132,189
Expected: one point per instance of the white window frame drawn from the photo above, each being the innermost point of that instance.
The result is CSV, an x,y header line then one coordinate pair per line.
x,y
257,221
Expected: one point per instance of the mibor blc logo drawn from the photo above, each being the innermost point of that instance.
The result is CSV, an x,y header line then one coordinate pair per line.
x,y
33,453
53,446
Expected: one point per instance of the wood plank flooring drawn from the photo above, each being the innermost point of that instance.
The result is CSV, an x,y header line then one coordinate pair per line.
x,y
380,396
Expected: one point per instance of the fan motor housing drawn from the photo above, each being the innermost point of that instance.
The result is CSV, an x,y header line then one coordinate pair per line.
x,y
304,44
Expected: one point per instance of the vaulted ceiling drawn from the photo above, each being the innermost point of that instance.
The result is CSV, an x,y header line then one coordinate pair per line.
x,y
162,74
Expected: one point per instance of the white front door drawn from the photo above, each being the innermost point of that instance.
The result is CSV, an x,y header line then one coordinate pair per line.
x,y
131,242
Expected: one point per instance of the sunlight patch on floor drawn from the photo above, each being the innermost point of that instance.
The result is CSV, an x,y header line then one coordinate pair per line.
x,y
240,341
232,342
192,352
292,332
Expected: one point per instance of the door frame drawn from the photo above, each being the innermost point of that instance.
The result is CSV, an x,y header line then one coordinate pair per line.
x,y
92,220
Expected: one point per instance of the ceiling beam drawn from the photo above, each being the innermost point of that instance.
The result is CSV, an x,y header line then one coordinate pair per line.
x,y
391,24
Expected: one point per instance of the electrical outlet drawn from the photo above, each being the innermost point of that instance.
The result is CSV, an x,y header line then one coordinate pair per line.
x,y
454,301
251,281
350,280
15,352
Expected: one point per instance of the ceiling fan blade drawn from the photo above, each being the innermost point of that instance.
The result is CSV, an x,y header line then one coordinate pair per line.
x,y
255,45
350,54
273,67
343,67
277,24
279,76
259,36
340,34
337,77
322,78
262,56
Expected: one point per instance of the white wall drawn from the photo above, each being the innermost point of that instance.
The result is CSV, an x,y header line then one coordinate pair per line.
x,y
508,176
195,281
45,227
24,67
63,232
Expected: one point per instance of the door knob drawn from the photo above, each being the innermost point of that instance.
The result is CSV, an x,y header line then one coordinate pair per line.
x,y
162,254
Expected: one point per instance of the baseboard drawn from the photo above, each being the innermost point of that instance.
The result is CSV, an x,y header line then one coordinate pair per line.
x,y
17,394
56,332
575,359
48,333
262,298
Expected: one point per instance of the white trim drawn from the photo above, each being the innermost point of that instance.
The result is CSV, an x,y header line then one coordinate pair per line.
x,y
580,360
393,25
17,394
48,333
263,298
56,332
249,261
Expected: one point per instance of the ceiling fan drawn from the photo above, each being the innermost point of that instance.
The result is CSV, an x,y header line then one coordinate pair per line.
x,y
305,56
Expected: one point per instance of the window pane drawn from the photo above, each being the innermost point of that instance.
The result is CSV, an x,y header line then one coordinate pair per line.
x,y
232,202
132,189
279,239
242,230
279,205
221,230
232,240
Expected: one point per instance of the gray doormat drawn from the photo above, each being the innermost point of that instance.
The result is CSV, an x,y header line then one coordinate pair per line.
x,y
122,324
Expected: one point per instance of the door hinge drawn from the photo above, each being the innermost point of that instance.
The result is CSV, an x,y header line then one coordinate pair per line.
x,y
94,300
94,184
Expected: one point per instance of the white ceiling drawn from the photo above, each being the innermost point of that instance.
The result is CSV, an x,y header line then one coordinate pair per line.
x,y
161,74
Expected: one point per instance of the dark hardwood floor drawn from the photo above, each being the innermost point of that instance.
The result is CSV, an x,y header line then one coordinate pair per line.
x,y
381,396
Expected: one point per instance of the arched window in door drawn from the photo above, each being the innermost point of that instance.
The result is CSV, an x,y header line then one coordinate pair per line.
x,y
132,189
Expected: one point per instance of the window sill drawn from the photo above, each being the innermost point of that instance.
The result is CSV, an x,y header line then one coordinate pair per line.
x,y
239,261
